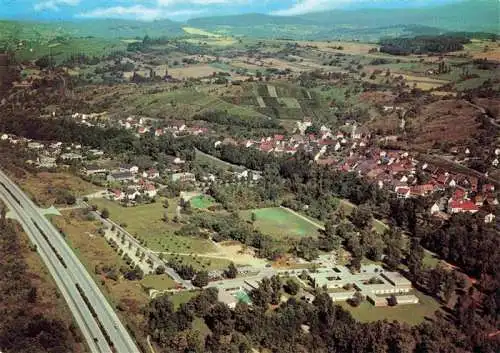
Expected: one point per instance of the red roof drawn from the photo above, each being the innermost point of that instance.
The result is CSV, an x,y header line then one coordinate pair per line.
x,y
463,206
402,191
422,189
279,137
488,187
266,147
442,178
150,187
459,194
326,142
327,161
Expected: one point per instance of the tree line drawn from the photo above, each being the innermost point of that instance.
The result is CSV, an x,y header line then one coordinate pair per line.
x,y
423,45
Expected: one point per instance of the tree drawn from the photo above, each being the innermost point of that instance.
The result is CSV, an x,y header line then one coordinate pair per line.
x,y
231,271
105,213
160,270
449,286
291,286
361,216
253,217
200,279
415,258
220,320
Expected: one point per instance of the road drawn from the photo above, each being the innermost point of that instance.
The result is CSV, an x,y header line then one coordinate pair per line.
x,y
68,271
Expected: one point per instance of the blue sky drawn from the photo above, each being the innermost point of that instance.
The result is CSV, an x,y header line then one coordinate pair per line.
x,y
181,9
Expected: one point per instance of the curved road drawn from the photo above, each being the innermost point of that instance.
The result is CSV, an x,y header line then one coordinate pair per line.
x,y
68,272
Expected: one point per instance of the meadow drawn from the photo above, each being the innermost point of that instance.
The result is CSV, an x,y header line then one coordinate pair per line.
x,y
145,222
280,223
412,314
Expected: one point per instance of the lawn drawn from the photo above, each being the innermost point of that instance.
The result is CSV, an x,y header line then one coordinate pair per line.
x,y
202,201
412,314
159,282
279,222
182,297
199,32
146,222
200,262
44,186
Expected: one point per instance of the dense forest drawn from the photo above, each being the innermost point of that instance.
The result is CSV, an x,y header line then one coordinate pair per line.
x,y
24,326
423,45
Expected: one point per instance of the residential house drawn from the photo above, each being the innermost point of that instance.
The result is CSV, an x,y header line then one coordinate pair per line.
x,y
132,194
129,168
403,192
435,208
183,177
35,145
120,176
459,206
94,170
46,162
150,190
151,174
117,195
71,156
96,152
489,218
488,188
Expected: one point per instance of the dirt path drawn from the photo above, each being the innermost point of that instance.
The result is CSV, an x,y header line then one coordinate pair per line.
x,y
317,225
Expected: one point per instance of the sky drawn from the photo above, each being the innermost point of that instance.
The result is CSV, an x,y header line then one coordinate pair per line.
x,y
181,10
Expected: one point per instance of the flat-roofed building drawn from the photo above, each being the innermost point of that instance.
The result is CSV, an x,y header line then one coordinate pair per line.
x,y
398,280
227,298
377,301
342,296
407,299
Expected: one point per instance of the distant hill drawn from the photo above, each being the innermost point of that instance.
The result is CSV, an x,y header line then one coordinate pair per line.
x,y
470,15
364,24
107,29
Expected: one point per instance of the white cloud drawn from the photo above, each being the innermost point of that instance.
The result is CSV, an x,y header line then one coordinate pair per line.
x,y
54,4
201,2
305,6
139,12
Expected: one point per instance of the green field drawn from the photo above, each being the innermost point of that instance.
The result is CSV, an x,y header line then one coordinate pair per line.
x,y
412,314
202,201
200,262
280,223
145,222
159,282
199,32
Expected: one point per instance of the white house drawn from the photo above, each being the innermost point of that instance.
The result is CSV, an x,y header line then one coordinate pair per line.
x,y
435,208
150,190
489,218
129,168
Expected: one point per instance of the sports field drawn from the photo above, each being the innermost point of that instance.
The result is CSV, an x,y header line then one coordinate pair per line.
x,y
202,201
280,222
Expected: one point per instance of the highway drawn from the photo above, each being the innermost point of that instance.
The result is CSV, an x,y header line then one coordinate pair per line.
x,y
92,312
